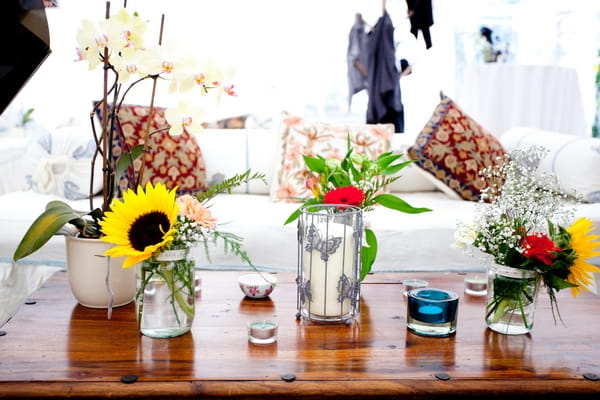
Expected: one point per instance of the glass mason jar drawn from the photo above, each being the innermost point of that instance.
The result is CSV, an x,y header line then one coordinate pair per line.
x,y
165,296
511,299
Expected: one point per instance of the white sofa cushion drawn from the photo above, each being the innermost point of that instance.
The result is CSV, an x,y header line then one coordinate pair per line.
x,y
574,159
228,152
225,154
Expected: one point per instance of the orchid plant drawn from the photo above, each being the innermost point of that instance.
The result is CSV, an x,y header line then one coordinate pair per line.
x,y
117,45
359,181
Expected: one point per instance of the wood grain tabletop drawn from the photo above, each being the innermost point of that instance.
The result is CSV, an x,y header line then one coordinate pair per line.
x,y
57,348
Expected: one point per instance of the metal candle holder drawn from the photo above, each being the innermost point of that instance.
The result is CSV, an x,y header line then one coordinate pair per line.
x,y
329,249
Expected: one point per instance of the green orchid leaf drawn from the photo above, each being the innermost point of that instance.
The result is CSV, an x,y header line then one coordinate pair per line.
x,y
125,161
368,253
396,203
56,215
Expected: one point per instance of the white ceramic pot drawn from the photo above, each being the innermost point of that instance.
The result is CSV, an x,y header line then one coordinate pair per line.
x,y
87,268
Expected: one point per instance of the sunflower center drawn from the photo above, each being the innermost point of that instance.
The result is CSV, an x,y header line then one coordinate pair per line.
x,y
148,230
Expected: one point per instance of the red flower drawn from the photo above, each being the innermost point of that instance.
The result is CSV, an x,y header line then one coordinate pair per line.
x,y
540,247
345,195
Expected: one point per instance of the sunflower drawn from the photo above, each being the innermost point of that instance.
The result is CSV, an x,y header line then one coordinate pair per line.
x,y
584,245
141,224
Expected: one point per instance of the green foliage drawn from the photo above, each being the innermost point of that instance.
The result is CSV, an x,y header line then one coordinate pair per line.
x,y
396,203
232,243
27,116
370,176
230,183
368,253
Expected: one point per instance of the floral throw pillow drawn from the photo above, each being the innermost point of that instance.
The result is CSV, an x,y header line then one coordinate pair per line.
x,y
300,137
452,148
174,161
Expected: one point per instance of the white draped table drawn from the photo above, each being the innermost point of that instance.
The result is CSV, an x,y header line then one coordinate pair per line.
x,y
502,96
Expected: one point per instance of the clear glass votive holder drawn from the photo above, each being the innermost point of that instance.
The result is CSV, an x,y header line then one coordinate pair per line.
x,y
432,312
262,332
476,285
410,284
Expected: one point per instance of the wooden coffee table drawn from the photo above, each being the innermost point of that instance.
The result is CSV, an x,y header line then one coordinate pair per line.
x,y
56,348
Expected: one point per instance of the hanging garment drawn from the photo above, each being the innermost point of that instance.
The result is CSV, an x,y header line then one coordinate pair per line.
x,y
385,104
421,18
357,58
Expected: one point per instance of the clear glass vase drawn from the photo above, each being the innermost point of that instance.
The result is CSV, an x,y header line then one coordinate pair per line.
x,y
165,297
511,299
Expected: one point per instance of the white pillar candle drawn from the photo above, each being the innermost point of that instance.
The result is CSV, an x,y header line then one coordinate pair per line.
x,y
324,275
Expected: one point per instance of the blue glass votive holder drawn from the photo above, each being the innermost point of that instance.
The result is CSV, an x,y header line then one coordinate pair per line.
x,y
432,312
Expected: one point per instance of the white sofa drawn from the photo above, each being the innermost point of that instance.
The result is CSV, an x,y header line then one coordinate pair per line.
x,y
419,242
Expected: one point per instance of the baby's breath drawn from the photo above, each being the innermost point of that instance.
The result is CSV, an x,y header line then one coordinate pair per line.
x,y
189,233
519,200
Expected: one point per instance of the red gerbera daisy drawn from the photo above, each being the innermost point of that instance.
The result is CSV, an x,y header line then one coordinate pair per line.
x,y
345,195
540,247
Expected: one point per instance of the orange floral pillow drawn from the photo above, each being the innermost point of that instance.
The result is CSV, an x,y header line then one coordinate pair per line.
x,y
452,148
174,161
300,137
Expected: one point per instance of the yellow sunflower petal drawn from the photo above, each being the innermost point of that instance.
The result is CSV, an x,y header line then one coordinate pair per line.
x,y
585,246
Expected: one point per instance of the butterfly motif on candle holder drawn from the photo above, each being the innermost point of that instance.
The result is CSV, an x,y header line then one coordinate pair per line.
x,y
347,290
326,247
304,290
344,288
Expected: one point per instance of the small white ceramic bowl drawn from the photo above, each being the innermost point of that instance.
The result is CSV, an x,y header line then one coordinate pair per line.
x,y
256,285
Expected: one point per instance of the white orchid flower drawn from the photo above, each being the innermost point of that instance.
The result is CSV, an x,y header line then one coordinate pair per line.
x,y
184,75
90,43
111,34
149,61
131,27
183,118
130,63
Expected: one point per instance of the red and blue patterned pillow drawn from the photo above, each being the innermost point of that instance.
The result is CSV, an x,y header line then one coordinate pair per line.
x,y
452,148
174,161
